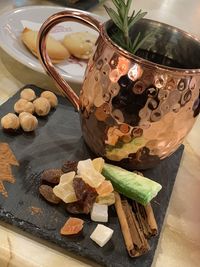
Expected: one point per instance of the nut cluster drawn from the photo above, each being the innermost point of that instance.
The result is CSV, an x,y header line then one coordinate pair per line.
x,y
25,107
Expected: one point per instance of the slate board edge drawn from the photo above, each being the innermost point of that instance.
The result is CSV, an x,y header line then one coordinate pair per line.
x,y
27,227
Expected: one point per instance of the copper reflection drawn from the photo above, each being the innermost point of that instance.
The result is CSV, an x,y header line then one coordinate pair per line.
x,y
133,112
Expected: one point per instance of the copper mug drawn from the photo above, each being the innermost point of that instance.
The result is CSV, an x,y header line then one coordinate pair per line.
x,y
135,110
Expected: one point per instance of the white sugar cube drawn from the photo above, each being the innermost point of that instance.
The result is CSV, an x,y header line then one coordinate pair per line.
x,y
99,213
101,235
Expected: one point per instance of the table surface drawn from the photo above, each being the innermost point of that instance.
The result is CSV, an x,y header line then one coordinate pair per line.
x,y
179,244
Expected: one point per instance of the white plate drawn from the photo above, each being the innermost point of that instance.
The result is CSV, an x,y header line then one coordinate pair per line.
x,y
11,25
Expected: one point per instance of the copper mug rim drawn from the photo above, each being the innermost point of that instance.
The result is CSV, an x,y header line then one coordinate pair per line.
x,y
146,62
86,19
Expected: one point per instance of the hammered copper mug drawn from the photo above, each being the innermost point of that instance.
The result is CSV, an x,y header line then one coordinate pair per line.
x,y
135,110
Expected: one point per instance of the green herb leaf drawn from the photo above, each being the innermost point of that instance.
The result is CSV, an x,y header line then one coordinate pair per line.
x,y
116,3
140,43
114,16
122,4
131,17
124,23
134,44
128,5
136,18
121,9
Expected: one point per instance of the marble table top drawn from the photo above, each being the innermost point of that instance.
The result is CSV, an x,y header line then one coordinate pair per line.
x,y
179,244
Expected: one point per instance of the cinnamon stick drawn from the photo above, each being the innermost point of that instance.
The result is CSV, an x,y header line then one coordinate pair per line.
x,y
137,234
141,218
151,219
124,226
134,238
146,219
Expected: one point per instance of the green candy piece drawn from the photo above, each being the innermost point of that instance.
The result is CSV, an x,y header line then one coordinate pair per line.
x,y
130,184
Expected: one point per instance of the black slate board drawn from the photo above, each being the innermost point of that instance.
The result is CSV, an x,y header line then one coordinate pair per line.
x,y
59,138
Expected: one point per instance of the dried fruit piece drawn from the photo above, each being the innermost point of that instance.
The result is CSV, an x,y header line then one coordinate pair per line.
x,y
101,234
86,196
87,172
69,166
105,188
47,192
106,200
64,190
75,207
82,189
99,213
72,226
98,164
51,176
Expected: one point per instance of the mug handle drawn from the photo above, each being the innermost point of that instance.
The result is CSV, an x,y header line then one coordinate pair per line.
x,y
77,16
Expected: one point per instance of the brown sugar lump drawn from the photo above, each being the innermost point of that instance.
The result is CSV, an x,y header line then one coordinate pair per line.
x,y
23,105
42,106
28,94
28,122
51,97
80,44
55,49
10,121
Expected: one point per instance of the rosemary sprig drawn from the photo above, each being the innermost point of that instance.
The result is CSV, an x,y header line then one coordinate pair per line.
x,y
124,22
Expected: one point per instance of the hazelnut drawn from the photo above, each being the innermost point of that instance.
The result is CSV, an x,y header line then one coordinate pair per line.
x,y
23,105
28,122
42,106
10,121
28,94
23,114
51,97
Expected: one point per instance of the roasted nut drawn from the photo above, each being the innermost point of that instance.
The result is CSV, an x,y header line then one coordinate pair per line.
x,y
51,97
28,122
23,114
51,176
47,192
10,121
42,106
69,166
23,105
28,94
